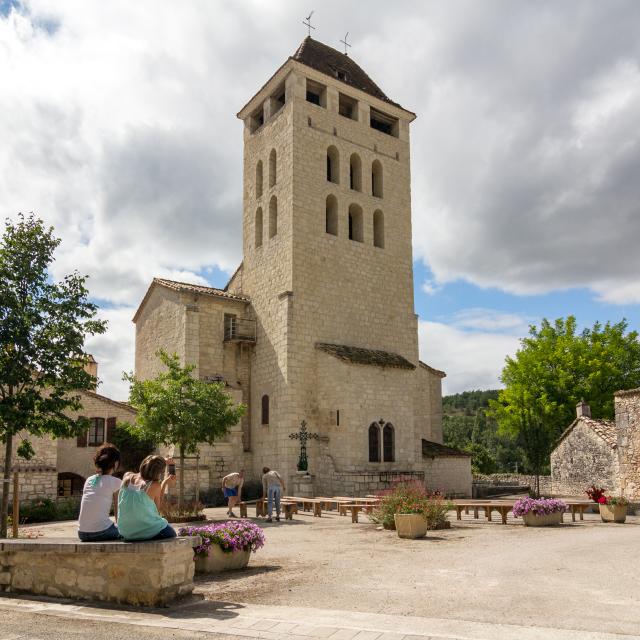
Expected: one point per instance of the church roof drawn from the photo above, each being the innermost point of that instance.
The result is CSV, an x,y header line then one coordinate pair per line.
x,y
359,355
606,429
331,62
437,372
186,286
116,403
437,450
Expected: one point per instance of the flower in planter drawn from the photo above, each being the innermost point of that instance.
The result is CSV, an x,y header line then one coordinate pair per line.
x,y
595,493
539,507
410,497
614,501
230,536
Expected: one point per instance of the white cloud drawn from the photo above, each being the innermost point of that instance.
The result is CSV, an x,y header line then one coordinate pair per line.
x,y
431,287
117,122
490,320
471,359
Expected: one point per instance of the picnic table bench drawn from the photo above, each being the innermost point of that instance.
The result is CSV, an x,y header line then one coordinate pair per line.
x,y
288,507
504,506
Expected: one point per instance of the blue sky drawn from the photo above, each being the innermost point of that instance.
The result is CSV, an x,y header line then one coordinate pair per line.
x,y
118,126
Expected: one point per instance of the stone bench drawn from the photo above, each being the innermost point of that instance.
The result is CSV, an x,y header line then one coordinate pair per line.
x,y
137,573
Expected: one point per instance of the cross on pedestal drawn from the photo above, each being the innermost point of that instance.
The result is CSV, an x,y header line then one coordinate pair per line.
x,y
303,435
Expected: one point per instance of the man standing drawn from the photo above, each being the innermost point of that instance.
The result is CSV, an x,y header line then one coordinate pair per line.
x,y
272,488
232,489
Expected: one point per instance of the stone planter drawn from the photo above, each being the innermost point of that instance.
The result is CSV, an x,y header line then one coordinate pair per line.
x,y
219,560
547,520
613,513
410,525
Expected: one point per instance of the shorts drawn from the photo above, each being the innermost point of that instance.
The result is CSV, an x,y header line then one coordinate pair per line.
x,y
228,493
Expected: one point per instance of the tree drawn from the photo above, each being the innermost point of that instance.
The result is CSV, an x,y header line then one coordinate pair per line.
x,y
43,325
554,369
177,408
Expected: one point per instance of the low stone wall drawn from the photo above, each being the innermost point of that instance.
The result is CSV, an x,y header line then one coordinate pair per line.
x,y
513,480
136,573
35,482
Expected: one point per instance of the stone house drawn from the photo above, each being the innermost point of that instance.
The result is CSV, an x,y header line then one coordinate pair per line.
x,y
601,452
318,322
60,466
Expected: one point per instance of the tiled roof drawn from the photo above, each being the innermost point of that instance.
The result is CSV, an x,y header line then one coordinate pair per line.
x,y
437,450
358,355
627,392
331,62
430,369
116,403
186,286
606,429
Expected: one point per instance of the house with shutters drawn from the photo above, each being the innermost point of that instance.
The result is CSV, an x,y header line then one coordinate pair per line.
x,y
60,466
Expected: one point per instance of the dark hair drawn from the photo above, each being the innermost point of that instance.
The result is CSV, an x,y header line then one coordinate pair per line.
x,y
106,457
265,469
152,468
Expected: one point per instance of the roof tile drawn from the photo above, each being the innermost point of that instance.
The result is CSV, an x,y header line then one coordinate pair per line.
x,y
359,355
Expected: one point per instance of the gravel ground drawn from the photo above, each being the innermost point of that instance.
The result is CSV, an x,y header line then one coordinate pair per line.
x,y
581,575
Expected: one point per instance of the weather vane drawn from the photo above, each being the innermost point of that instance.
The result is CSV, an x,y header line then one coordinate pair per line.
x,y
307,23
345,43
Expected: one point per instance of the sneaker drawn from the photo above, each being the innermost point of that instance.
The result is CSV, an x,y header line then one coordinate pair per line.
x,y
277,518
269,519
231,514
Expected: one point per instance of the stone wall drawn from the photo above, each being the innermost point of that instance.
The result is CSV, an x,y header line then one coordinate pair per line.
x,y
581,459
514,480
72,458
627,406
142,573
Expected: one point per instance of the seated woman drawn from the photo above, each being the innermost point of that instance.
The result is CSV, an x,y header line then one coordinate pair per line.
x,y
94,524
140,496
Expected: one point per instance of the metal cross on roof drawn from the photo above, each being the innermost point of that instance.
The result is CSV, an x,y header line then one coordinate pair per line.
x,y
307,23
345,43
303,435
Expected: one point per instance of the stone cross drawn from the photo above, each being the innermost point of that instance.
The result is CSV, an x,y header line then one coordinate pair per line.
x,y
303,435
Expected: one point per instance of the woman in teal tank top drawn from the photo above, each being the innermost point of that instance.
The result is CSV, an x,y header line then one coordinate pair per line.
x,y
138,501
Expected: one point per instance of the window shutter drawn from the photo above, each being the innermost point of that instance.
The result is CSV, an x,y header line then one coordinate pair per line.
x,y
111,429
82,437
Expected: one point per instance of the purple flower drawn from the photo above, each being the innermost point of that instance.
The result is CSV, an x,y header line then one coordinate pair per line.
x,y
540,507
230,536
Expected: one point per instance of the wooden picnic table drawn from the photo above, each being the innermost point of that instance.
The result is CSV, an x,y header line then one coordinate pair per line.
x,y
288,507
355,509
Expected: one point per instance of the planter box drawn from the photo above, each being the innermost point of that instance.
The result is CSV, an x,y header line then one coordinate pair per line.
x,y
534,520
219,560
613,513
410,525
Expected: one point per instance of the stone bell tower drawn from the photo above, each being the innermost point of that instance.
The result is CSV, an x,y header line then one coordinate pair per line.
x,y
328,269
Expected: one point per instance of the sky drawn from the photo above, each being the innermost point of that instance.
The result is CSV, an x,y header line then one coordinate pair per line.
x,y
118,127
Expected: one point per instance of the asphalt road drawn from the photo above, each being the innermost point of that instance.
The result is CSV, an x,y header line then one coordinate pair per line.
x,y
16,625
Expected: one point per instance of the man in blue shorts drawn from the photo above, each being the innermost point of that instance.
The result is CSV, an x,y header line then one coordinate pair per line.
x,y
232,489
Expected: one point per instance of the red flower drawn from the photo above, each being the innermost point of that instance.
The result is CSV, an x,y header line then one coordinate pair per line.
x,y
602,500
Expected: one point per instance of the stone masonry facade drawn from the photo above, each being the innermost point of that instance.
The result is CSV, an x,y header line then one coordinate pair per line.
x,y
327,260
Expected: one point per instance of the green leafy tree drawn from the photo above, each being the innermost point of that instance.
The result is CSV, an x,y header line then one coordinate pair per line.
x,y
43,325
177,408
554,369
133,447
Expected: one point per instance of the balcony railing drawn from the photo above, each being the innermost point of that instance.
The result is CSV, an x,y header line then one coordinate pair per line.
x,y
240,330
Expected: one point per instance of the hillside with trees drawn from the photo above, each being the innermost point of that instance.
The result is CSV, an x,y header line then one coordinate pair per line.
x,y
466,426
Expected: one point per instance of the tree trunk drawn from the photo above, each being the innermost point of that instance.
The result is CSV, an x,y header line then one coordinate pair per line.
x,y
181,480
6,479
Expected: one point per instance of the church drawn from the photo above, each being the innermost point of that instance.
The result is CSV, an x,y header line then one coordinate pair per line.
x,y
317,324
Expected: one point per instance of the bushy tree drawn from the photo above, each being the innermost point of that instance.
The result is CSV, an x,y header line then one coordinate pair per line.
x,y
43,325
177,408
554,369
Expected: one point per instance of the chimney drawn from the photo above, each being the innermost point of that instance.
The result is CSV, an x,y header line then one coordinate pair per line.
x,y
583,410
91,367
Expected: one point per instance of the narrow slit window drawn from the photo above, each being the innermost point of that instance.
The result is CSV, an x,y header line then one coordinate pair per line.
x,y
376,179
259,179
331,216
259,227
273,217
272,167
333,165
355,172
378,229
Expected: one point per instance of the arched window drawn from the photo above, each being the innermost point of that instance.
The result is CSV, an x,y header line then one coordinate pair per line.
x,y
355,172
70,484
355,223
272,168
259,179
376,179
388,443
378,229
333,165
273,216
332,216
265,410
374,443
259,227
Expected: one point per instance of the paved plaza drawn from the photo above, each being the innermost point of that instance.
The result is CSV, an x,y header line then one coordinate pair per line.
x,y
328,578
